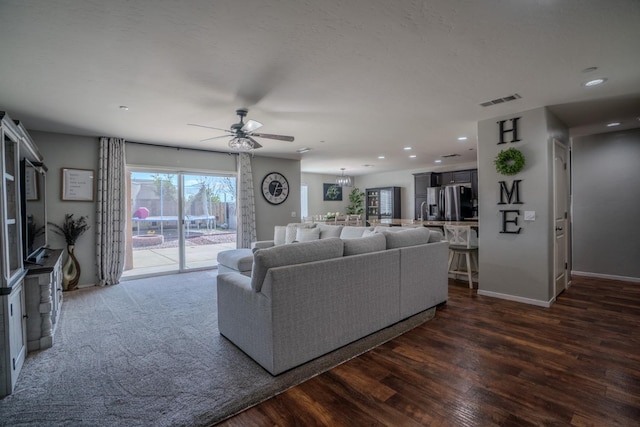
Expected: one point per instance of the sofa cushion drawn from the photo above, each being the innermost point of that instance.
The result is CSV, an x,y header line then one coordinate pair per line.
x,y
327,231
236,259
297,253
352,232
408,237
368,232
362,245
307,234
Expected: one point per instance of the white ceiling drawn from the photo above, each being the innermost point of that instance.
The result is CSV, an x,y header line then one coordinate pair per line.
x,y
350,79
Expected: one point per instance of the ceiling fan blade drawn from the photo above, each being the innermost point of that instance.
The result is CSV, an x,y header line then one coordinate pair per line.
x,y
215,137
208,127
250,126
271,136
255,143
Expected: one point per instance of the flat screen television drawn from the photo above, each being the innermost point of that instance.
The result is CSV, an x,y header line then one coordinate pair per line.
x,y
34,210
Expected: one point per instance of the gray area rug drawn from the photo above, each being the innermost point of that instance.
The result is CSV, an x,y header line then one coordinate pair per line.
x,y
148,352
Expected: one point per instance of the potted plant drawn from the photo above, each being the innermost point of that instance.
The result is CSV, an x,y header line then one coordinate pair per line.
x,y
356,202
71,230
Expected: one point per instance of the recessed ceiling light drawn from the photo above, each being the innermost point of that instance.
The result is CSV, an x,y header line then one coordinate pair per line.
x,y
613,124
438,161
303,150
589,69
462,138
407,148
594,82
413,156
381,157
124,107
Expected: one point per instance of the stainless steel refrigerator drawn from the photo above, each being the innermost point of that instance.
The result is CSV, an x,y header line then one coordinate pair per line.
x,y
456,202
435,204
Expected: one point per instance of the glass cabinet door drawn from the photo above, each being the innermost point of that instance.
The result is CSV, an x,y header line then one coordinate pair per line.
x,y
11,241
386,203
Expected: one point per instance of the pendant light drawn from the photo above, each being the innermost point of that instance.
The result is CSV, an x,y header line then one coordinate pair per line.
x,y
343,180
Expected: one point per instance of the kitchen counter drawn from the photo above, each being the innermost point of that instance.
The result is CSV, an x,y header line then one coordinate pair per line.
x,y
399,222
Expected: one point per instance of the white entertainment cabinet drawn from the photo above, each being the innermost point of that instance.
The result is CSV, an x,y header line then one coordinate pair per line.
x,y
30,295
43,297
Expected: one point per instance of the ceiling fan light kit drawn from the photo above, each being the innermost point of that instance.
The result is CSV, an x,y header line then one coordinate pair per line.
x,y
241,144
242,133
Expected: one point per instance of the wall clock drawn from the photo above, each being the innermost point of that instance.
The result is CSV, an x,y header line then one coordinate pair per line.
x,y
275,188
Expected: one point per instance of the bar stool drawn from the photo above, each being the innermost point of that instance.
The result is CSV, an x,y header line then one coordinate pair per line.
x,y
462,246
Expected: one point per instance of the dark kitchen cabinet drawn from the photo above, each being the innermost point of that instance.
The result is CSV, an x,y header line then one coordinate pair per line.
x,y
383,203
424,180
446,178
474,184
455,177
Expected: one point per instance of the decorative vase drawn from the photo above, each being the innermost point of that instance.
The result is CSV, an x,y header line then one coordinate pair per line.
x,y
70,271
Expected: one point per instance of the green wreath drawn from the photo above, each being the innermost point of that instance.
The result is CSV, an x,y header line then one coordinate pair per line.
x,y
509,162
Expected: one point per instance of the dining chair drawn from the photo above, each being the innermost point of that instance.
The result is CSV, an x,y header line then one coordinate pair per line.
x,y
340,220
353,220
463,245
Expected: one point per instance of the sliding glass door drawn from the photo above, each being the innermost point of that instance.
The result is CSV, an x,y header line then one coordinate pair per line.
x,y
179,221
210,218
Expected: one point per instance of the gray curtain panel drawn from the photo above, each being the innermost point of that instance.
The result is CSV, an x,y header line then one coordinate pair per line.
x,y
111,218
246,232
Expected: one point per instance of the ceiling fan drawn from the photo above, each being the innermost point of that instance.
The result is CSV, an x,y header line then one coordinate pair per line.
x,y
242,133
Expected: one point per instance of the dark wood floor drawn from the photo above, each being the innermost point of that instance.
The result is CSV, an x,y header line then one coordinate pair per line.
x,y
484,361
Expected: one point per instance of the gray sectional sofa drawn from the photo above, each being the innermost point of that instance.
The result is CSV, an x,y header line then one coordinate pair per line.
x,y
306,299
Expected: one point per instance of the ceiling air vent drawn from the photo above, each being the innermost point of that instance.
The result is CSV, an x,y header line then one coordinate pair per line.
x,y
450,155
501,100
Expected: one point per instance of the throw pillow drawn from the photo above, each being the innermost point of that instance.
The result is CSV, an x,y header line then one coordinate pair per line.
x,y
327,230
436,235
351,232
307,234
292,229
279,235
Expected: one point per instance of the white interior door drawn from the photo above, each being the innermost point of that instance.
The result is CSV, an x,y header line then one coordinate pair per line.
x,y
560,209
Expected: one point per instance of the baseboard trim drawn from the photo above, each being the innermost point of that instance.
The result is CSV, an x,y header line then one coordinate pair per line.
x,y
516,298
605,276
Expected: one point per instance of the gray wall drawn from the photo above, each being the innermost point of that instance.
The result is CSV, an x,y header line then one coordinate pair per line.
x,y
268,215
317,204
606,203
70,151
518,266
179,159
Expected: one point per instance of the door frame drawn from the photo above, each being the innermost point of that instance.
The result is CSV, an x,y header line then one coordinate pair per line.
x,y
557,145
181,266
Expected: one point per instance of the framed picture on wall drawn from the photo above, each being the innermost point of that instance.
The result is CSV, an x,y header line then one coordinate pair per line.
x,y
332,192
77,185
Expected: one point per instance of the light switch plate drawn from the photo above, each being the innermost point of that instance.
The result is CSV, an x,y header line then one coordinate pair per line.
x,y
293,214
529,215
